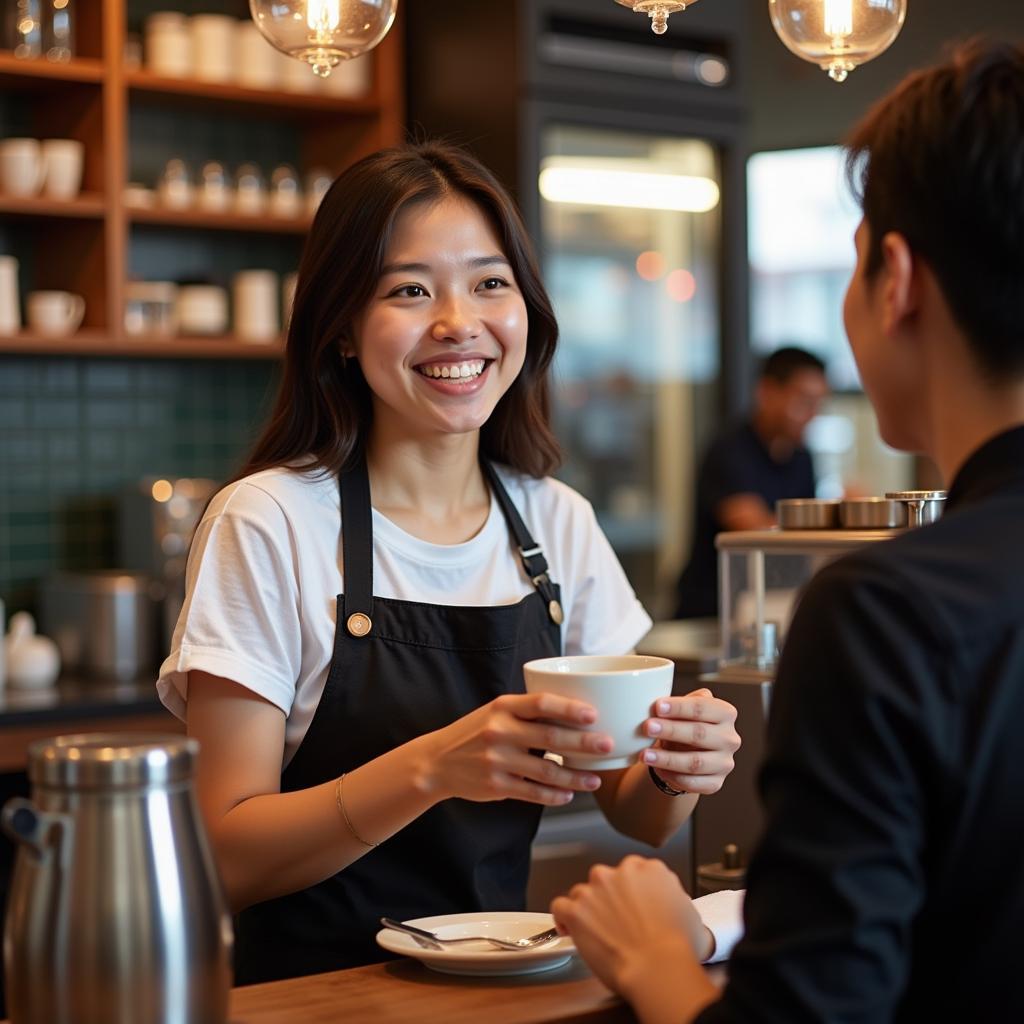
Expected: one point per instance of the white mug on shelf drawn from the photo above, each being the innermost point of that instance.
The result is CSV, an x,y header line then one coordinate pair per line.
x,y
21,166
54,313
202,309
62,167
213,47
10,307
256,65
168,46
256,307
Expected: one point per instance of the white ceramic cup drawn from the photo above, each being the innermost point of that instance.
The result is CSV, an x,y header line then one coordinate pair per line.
x,y
10,307
202,309
21,166
62,167
255,295
168,44
54,314
256,64
213,47
622,688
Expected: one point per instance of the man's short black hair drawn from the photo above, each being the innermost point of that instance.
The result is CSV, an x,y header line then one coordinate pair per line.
x,y
784,362
941,161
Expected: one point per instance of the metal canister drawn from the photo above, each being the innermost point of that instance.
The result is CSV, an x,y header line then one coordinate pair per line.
x,y
871,514
807,513
923,507
116,913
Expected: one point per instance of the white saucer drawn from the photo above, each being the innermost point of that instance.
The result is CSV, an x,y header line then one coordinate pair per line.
x,y
482,958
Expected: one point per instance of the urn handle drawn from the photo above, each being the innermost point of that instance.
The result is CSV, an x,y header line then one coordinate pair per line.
x,y
40,831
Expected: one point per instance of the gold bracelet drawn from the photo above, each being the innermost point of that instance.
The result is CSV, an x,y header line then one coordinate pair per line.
x,y
344,813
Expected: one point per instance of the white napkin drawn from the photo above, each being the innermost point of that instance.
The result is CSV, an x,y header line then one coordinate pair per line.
x,y
722,913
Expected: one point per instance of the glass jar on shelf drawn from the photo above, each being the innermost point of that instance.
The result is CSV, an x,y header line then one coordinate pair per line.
x,y
175,189
214,187
58,42
250,191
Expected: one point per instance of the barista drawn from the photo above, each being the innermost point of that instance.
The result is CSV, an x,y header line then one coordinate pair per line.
x,y
752,466
367,747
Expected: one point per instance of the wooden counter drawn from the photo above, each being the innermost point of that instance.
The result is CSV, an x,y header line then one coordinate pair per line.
x,y
77,705
404,991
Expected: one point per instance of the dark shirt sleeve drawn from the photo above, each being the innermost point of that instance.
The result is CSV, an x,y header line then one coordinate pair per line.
x,y
837,881
726,472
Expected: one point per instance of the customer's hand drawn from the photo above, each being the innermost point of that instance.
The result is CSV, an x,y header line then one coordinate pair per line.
x,y
637,930
696,739
486,755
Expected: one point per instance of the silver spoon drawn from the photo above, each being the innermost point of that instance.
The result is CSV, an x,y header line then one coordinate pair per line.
x,y
424,937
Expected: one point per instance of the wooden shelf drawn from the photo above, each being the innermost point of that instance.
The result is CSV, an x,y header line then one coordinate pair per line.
x,y
209,219
87,205
99,343
145,83
94,244
37,72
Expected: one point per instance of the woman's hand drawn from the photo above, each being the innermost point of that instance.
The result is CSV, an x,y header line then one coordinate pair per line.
x,y
696,739
639,932
486,754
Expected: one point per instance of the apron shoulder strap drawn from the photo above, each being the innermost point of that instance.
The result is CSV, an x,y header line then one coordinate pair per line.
x,y
357,549
530,552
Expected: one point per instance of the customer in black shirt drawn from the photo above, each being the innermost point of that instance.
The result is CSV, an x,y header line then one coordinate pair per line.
x,y
750,467
889,885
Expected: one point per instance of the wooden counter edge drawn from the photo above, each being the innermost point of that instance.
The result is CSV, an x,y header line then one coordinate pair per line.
x,y
404,991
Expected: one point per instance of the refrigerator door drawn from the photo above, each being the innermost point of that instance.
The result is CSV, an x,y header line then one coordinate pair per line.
x,y
631,242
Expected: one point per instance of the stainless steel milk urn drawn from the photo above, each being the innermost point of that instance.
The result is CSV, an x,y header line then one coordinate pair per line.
x,y
116,913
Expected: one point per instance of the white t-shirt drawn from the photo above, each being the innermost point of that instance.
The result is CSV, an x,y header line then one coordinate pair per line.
x,y
266,568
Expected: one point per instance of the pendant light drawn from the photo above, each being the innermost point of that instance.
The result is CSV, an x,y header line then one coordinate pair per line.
x,y
657,10
838,35
323,32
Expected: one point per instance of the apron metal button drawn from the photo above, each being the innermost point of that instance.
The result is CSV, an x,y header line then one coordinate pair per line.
x,y
359,624
556,613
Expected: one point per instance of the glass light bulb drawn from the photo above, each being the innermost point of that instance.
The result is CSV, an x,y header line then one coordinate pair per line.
x,y
838,35
323,32
657,10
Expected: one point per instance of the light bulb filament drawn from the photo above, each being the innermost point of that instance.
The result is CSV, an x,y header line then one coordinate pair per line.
x,y
838,18
323,16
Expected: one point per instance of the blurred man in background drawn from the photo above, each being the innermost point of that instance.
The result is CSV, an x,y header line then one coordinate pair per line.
x,y
750,467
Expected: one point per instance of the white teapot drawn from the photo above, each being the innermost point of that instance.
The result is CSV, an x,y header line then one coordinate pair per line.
x,y
33,661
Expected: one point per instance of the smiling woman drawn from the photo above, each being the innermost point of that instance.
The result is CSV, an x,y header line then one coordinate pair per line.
x,y
380,232
368,747
445,335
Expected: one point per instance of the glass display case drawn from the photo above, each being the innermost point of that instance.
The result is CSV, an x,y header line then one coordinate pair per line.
x,y
761,573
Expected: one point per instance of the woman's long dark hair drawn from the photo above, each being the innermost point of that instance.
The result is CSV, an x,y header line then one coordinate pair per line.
x,y
323,407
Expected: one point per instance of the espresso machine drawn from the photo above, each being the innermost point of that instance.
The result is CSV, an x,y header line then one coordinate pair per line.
x,y
761,574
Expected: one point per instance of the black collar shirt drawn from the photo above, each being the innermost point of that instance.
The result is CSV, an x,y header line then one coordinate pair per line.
x,y
889,884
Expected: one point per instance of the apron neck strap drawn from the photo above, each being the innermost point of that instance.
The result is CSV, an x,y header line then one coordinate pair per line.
x,y
530,552
357,548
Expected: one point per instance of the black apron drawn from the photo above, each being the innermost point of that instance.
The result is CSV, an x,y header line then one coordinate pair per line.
x,y
418,668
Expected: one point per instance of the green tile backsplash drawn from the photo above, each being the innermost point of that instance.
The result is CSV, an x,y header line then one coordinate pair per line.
x,y
74,432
